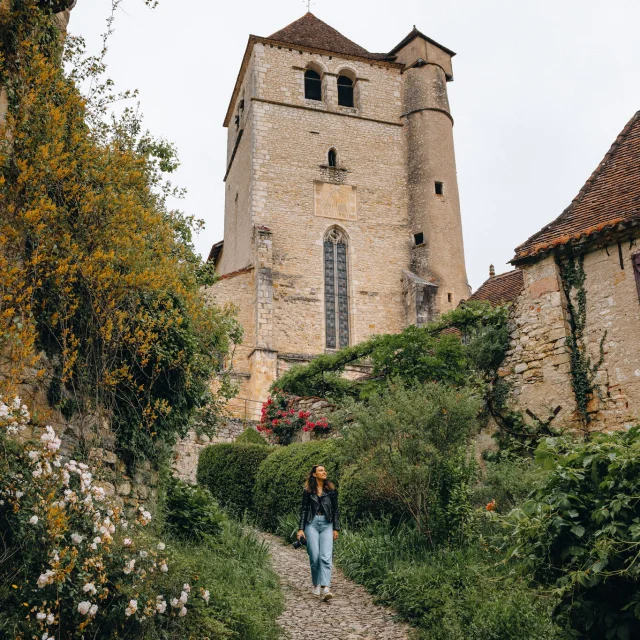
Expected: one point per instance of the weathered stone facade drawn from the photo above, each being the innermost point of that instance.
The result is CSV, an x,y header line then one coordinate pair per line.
x,y
404,254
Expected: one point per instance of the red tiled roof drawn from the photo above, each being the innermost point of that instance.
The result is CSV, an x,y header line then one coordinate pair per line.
x,y
309,31
501,289
610,197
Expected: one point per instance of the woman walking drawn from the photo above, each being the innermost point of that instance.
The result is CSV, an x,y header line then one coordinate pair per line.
x,y
319,524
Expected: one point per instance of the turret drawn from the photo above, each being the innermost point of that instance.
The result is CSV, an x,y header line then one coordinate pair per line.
x,y
434,203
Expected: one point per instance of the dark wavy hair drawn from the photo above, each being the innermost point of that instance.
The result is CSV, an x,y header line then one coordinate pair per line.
x,y
311,485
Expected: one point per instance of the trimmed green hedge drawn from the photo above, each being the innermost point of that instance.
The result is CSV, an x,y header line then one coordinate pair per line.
x,y
251,436
281,477
229,472
362,499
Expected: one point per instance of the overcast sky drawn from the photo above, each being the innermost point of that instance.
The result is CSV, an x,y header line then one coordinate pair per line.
x,y
541,90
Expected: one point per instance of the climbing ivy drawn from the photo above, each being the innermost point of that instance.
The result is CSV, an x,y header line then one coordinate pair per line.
x,y
583,370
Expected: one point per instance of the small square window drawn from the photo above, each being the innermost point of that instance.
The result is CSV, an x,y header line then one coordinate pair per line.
x,y
439,189
418,238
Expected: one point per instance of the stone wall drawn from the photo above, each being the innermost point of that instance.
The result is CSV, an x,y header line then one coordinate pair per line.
x,y
538,361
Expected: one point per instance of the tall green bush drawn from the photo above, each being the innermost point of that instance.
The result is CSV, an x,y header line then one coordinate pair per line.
x,y
417,437
229,472
281,477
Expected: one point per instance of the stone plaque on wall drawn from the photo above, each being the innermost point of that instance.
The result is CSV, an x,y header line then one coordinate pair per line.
x,y
335,201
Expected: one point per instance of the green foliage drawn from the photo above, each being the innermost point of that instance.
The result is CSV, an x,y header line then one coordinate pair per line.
x,y
416,439
363,497
191,512
229,471
583,371
449,594
281,477
251,436
418,353
580,533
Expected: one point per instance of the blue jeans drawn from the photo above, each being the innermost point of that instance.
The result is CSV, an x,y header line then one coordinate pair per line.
x,y
319,535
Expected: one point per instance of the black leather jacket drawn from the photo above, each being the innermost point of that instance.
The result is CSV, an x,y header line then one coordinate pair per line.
x,y
311,503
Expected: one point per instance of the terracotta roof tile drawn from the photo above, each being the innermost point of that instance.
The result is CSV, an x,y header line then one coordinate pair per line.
x,y
611,196
501,289
310,31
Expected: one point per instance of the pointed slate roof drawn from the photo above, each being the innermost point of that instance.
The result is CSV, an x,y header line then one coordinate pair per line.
x,y
610,199
501,289
310,31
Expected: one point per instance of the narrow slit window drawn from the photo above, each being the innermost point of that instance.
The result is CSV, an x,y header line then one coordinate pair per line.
x,y
332,158
439,189
312,85
336,290
345,91
635,261
418,238
449,297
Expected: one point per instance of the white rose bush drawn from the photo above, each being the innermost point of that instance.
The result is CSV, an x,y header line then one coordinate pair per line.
x,y
72,563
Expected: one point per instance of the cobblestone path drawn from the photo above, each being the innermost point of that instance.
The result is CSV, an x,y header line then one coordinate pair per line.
x,y
351,615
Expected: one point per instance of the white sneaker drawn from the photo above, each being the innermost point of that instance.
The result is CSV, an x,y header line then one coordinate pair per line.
x,y
316,591
326,594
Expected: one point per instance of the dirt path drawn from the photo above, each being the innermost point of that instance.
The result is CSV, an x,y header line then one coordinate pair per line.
x,y
351,615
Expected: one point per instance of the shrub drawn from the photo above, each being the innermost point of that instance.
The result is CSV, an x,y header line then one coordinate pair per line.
x,y
251,436
417,437
359,503
229,472
191,512
279,481
449,594
580,533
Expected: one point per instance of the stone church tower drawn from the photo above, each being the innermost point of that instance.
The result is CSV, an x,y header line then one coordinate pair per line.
x,y
342,215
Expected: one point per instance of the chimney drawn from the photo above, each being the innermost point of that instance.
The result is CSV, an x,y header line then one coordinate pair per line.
x,y
492,271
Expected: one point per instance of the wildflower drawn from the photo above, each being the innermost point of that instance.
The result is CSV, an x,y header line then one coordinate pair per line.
x,y
186,588
183,612
143,554
184,596
51,618
83,607
34,455
76,538
93,610
206,595
41,615
174,602
132,608
33,520
127,542
45,579
161,546
164,568
89,588
491,506
161,606
128,567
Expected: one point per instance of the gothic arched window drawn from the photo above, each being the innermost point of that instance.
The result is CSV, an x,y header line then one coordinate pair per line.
x,y
312,85
336,289
345,91
332,157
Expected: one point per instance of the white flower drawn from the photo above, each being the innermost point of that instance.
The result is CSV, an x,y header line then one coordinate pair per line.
x,y
184,596
93,610
128,568
33,520
97,540
164,568
174,602
127,542
90,588
205,596
52,442
124,524
183,612
186,588
161,546
132,608
41,615
19,494
34,455
45,578
161,606
51,618
83,607
143,554
94,546
46,636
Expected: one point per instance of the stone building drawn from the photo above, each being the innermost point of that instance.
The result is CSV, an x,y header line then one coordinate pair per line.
x,y
342,215
576,295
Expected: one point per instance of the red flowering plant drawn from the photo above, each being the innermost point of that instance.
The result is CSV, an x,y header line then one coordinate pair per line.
x,y
281,421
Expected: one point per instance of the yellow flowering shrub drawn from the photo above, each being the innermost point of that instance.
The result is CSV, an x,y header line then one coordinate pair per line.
x,y
95,269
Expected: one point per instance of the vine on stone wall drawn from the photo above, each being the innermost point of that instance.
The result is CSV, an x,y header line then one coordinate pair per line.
x,y
583,370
